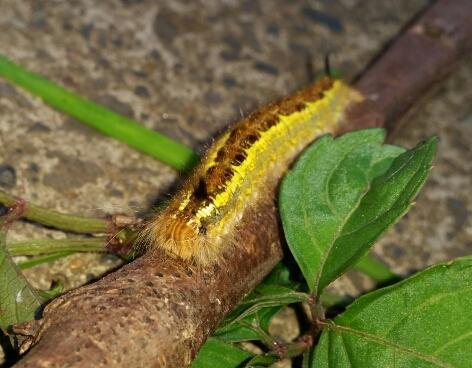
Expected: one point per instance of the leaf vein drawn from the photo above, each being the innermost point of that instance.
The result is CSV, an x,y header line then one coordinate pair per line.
x,y
427,302
390,344
452,342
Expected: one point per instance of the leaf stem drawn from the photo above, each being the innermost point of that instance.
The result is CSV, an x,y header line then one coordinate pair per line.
x,y
375,269
265,338
298,347
98,117
42,259
317,311
57,219
35,247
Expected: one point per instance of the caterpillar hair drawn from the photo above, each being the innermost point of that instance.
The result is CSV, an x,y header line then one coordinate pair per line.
x,y
199,222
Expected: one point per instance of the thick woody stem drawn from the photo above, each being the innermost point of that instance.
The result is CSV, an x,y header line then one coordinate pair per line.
x,y
427,51
155,312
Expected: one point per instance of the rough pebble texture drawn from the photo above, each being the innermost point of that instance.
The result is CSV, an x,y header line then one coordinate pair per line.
x,y
187,69
439,227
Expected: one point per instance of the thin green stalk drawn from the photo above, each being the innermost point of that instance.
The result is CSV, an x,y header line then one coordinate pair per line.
x,y
42,259
56,219
265,338
328,299
35,247
375,269
98,117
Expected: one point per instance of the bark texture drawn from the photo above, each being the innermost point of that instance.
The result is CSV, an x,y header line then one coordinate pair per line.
x,y
155,312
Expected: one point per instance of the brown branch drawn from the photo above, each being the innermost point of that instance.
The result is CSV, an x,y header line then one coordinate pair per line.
x,y
155,310
427,51
156,313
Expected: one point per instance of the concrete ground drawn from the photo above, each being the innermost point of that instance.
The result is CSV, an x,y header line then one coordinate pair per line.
x,y
187,69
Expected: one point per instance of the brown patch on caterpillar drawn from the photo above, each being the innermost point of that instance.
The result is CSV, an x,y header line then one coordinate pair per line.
x,y
238,157
241,167
201,191
216,178
179,238
247,132
297,102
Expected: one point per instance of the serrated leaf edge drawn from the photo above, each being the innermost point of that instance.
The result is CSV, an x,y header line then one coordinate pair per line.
x,y
414,192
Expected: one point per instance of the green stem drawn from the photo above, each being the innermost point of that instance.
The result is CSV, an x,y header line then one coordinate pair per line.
x,y
306,359
328,299
375,269
35,247
56,219
265,360
299,347
265,338
42,259
98,117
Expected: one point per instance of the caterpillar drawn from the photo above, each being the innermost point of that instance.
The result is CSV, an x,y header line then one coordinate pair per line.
x,y
198,223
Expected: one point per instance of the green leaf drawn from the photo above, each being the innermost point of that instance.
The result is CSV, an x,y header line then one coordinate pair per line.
x,y
244,324
218,354
273,295
19,302
342,195
250,320
423,321
280,275
265,296
98,117
260,361
248,328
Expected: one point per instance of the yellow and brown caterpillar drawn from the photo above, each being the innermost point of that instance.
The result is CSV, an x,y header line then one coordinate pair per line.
x,y
198,223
